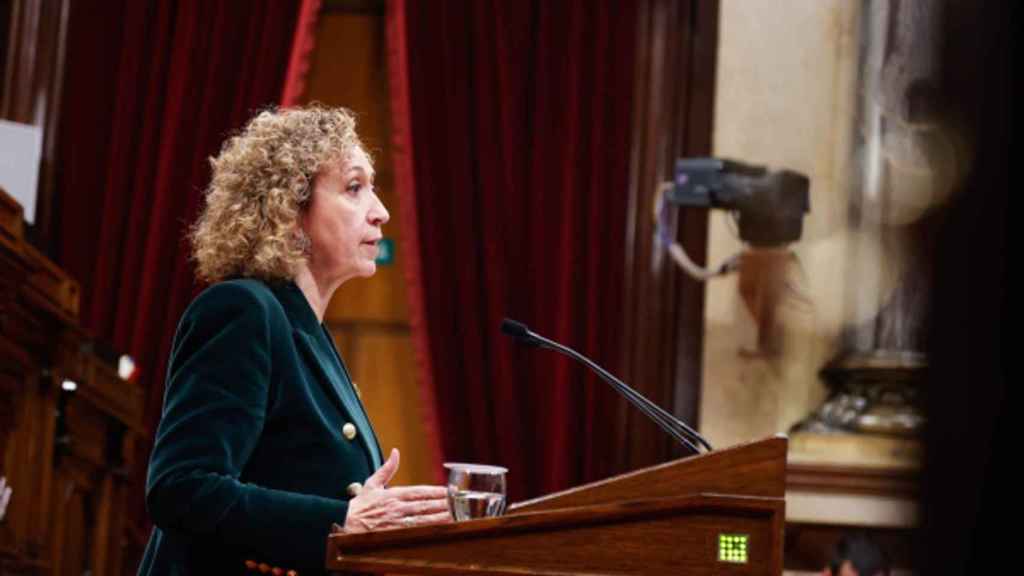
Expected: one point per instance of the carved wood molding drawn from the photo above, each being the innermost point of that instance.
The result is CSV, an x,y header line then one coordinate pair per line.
x,y
37,298
40,345
12,221
8,406
828,478
12,260
104,390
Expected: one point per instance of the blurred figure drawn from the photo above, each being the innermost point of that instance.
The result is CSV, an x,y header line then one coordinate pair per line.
x,y
857,555
5,497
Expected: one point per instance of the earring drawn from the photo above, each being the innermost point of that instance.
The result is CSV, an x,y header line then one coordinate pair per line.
x,y
303,243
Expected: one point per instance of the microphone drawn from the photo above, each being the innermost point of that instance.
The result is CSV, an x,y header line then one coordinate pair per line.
x,y
519,331
674,427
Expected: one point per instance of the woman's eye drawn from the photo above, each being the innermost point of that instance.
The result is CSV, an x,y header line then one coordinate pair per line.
x,y
354,188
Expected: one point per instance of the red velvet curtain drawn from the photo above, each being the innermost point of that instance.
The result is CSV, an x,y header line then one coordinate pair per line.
x,y
514,166
151,91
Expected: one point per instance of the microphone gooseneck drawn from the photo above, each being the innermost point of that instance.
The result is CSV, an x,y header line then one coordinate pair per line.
x,y
674,427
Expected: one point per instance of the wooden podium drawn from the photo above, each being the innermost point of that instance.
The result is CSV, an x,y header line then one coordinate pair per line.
x,y
718,513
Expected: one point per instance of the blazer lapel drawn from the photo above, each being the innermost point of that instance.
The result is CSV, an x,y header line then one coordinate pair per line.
x,y
304,342
330,380
324,363
376,454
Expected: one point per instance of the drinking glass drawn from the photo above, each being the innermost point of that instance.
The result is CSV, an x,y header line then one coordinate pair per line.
x,y
475,490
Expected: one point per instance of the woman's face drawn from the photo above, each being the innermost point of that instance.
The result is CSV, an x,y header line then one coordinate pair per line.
x,y
343,220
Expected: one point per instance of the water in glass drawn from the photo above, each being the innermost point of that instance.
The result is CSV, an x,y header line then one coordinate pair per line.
x,y
475,490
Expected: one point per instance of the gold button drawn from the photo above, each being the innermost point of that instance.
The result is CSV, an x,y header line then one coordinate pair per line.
x,y
354,489
349,430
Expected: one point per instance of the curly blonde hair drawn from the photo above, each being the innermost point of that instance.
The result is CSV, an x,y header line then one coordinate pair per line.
x,y
262,179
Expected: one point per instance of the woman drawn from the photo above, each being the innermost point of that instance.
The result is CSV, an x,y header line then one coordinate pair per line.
x,y
263,444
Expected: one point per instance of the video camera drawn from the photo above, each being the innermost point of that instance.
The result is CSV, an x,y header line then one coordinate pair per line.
x,y
770,204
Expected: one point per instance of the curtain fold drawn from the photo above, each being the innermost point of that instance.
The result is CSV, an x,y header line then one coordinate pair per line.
x,y
519,120
152,90
405,181
302,48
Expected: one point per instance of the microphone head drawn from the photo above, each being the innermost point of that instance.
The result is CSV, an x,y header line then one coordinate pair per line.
x,y
517,330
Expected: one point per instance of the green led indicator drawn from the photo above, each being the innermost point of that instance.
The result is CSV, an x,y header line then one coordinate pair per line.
x,y
733,548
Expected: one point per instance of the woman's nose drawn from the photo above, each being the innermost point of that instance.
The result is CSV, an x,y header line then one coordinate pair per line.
x,y
378,214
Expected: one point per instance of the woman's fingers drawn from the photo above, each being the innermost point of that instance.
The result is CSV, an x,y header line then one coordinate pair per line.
x,y
385,473
439,518
422,507
418,492
376,507
423,520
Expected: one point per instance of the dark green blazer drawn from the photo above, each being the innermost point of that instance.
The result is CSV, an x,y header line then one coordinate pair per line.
x,y
250,460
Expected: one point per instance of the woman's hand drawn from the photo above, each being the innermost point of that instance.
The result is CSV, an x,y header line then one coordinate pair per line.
x,y
378,507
